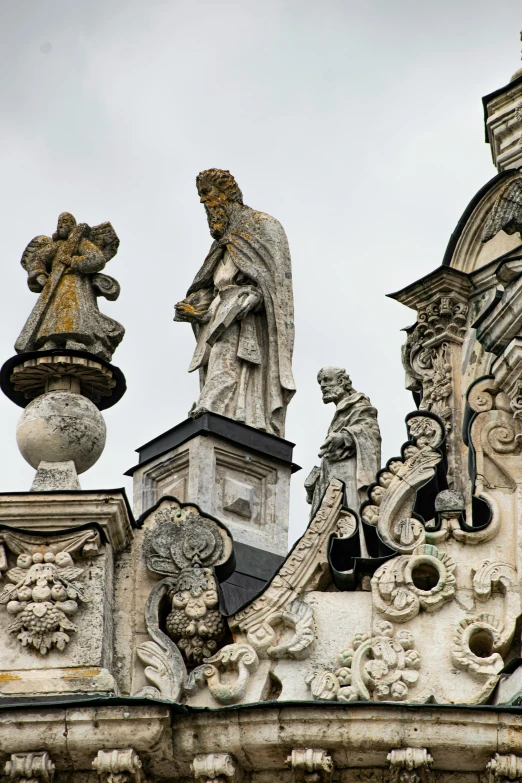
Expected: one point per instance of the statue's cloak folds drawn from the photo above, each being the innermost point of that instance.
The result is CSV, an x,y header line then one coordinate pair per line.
x,y
259,248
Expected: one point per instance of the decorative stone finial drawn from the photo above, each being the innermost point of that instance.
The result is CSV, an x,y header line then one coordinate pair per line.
x,y
240,306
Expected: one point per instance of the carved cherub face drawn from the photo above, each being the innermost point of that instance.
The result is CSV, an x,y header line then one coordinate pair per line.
x,y
334,383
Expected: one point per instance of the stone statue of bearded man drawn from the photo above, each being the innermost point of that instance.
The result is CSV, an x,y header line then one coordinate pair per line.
x,y
240,306
352,449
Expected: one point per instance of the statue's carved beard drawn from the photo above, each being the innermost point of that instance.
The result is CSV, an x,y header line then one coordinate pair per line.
x,y
217,217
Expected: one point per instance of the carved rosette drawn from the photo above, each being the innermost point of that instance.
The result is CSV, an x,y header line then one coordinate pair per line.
x,y
381,667
403,586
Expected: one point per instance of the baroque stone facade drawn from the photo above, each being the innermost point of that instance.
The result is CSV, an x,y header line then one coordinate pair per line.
x,y
384,644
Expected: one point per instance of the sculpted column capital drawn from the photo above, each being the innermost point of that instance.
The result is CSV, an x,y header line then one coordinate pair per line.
x,y
310,765
411,765
216,768
119,766
30,768
502,769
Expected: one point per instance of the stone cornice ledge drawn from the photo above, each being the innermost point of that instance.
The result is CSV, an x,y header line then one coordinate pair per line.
x,y
49,511
168,739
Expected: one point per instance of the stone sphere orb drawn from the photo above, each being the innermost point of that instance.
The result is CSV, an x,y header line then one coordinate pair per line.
x,y
59,426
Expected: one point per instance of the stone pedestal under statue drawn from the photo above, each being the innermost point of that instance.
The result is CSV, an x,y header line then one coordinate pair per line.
x,y
230,470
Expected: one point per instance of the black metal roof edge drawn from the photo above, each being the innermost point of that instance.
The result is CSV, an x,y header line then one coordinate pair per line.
x,y
218,416
119,490
487,98
479,195
19,397
96,700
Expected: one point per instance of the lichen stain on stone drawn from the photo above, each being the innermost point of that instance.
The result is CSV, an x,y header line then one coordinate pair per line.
x,y
7,677
74,674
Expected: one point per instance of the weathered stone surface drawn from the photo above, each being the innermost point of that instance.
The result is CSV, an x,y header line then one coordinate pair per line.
x,y
352,449
248,491
61,426
65,271
241,308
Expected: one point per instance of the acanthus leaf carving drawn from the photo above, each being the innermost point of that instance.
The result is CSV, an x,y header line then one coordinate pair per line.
x,y
403,586
299,617
239,658
392,499
381,667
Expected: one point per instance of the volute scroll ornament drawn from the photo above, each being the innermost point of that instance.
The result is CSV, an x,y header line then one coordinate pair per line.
x,y
504,768
216,768
391,499
403,586
236,662
119,766
297,616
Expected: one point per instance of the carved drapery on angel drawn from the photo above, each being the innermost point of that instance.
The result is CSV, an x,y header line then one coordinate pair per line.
x,y
506,213
65,271
241,309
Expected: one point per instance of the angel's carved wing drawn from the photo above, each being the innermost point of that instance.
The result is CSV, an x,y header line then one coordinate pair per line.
x,y
17,575
106,238
33,260
506,213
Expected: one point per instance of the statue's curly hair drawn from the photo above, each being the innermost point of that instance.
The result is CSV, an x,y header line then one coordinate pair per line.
x,y
223,181
342,375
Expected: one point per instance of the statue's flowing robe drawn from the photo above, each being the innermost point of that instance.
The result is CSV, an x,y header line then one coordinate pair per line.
x,y
356,416
247,374
67,309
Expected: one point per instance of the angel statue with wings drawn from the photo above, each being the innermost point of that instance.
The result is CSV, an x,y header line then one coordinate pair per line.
x,y
65,271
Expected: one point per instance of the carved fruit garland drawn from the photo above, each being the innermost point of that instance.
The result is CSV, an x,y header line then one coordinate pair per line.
x,y
44,593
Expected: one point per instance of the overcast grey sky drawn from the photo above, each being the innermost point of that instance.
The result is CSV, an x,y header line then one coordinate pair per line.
x,y
357,124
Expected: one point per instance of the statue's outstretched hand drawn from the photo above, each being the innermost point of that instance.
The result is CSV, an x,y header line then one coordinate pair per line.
x,y
251,301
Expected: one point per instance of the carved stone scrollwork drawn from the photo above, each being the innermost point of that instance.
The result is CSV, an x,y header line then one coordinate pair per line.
x,y
410,765
502,769
297,616
30,768
238,658
382,667
403,586
119,766
183,545
215,768
479,642
310,765
391,501
46,586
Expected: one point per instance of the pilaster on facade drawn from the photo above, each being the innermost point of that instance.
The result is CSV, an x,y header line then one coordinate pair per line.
x,y
34,767
310,765
410,765
119,766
